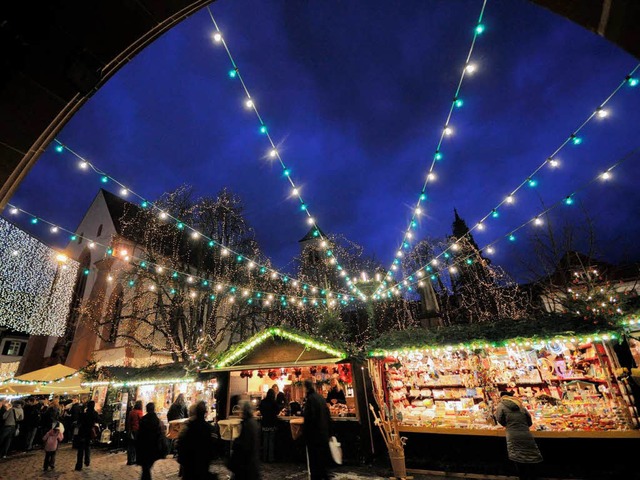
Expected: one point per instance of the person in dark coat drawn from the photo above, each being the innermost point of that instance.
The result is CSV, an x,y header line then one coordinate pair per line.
x,y
31,422
521,446
245,456
269,412
86,433
150,442
281,399
178,409
316,429
74,416
197,445
336,394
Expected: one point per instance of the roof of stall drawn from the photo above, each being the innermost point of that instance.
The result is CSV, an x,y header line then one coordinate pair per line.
x,y
278,347
500,333
129,375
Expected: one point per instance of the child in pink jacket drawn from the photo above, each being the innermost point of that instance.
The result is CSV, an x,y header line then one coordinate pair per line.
x,y
51,441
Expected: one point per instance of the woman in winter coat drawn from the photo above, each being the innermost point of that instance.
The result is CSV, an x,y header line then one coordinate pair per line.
x,y
521,446
269,412
150,442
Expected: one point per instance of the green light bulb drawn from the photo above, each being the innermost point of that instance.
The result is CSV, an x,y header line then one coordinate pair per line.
x,y
86,271
287,172
458,102
568,201
59,148
494,213
232,73
173,291
437,156
633,82
144,204
180,226
263,129
469,261
479,28
212,297
104,179
131,283
174,274
34,220
512,238
239,258
576,140
423,197
212,243
533,182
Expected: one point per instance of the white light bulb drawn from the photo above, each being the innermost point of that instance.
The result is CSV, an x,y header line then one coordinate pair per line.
x,y
553,162
538,221
311,220
295,192
420,273
83,165
274,275
273,153
248,103
14,211
193,294
225,252
159,269
163,215
399,254
448,131
251,265
471,68
434,262
92,245
323,244
491,250
510,199
194,234
480,226
218,287
245,293
453,269
54,230
455,247
409,235
602,113
332,261
431,176
124,253
605,176
217,37
152,287
124,192
418,211
109,278
190,279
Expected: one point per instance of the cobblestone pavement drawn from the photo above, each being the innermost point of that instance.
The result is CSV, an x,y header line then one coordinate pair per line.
x,y
112,466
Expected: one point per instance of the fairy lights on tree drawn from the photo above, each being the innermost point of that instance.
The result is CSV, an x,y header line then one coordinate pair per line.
x,y
36,284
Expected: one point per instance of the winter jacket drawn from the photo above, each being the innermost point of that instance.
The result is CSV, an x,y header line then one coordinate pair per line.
x,y
13,416
269,411
177,411
521,446
133,420
149,446
245,459
51,440
196,449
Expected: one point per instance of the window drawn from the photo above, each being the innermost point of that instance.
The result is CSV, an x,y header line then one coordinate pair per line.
x,y
99,231
13,348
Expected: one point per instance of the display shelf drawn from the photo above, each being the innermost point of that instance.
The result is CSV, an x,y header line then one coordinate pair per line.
x,y
486,432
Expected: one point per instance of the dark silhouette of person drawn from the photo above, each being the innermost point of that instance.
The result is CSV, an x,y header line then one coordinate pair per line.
x,y
315,431
197,445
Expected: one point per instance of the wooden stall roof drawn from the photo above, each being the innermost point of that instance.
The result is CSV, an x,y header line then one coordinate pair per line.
x,y
277,347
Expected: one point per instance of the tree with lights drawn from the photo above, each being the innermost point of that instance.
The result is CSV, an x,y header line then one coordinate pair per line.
x,y
574,283
160,306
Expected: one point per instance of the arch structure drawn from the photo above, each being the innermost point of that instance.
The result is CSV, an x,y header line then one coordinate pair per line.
x,y
57,54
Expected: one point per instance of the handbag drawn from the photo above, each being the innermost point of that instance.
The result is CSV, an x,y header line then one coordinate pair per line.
x,y
336,450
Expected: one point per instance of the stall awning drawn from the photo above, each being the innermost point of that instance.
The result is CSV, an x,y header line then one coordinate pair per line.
x,y
56,379
277,347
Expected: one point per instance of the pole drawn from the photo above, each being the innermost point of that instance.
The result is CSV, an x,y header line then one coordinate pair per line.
x,y
366,398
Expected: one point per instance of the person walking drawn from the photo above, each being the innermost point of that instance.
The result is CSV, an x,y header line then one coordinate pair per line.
x,y
87,431
31,422
133,426
269,412
521,446
74,417
12,417
197,445
51,441
150,444
245,456
51,415
315,430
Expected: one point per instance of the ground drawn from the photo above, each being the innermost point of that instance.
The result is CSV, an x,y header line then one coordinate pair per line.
x,y
112,466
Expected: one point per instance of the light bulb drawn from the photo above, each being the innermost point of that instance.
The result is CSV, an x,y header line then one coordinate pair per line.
x,y
248,103
553,162
479,28
14,211
602,112
434,262
453,270
217,37
194,234
159,269
54,230
448,130
225,252
471,68
605,176
124,192
538,221
311,220
509,199
480,226
491,250
92,245
163,215
84,165
59,148
295,192
418,211
273,153
431,176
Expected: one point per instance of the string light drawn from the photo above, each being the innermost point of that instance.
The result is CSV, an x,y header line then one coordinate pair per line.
x,y
144,203
535,220
273,151
456,103
36,284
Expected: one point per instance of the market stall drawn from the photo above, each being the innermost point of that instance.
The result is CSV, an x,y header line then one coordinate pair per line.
x,y
53,380
285,359
567,381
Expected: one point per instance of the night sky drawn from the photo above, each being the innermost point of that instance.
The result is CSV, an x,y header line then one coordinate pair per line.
x,y
356,95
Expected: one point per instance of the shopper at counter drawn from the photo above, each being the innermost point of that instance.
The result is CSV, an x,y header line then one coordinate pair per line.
x,y
281,399
336,394
245,457
197,445
521,446
269,412
178,409
316,433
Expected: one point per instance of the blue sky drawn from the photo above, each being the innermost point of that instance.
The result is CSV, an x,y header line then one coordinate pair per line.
x,y
356,95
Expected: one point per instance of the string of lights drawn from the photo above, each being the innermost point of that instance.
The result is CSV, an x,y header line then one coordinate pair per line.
x,y
315,296
456,103
275,154
552,161
15,381
164,215
489,248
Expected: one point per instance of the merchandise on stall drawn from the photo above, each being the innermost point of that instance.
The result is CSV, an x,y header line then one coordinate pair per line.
x,y
566,384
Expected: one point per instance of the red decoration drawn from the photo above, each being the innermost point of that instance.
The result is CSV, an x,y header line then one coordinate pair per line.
x,y
273,374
